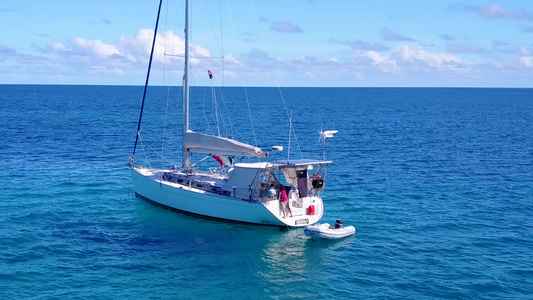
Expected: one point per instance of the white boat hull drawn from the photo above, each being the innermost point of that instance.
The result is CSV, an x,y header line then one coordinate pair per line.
x,y
324,231
202,204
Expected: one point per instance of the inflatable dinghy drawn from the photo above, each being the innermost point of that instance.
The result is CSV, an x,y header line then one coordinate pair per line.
x,y
325,231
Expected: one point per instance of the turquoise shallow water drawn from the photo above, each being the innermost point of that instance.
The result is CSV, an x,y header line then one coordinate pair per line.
x,y
438,183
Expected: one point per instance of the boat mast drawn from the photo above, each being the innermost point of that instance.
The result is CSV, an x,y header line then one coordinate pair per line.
x,y
186,159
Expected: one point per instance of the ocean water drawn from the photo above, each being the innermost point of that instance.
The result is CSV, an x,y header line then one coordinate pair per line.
x,y
438,183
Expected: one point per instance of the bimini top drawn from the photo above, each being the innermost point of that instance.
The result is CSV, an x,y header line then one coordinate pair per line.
x,y
288,163
253,165
302,162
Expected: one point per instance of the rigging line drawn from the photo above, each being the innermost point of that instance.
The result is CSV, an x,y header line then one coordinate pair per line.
x,y
153,150
227,111
213,89
222,42
165,121
193,79
227,132
168,89
147,77
179,96
233,129
241,138
204,111
290,129
211,22
164,79
200,161
209,130
166,15
219,111
242,70
131,182
175,29
197,57
145,155
214,104
286,110
215,107
276,78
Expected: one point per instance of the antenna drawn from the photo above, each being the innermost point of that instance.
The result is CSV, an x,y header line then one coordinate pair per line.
x,y
290,130
323,135
277,149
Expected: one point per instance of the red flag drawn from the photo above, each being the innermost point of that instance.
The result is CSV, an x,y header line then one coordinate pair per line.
x,y
217,158
210,74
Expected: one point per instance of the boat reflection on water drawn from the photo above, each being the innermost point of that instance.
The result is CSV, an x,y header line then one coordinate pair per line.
x,y
285,254
291,257
283,263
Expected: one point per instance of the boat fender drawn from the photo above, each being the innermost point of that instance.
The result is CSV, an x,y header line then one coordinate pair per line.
x,y
311,210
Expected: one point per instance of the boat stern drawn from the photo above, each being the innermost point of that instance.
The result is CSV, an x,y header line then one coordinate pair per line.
x,y
299,212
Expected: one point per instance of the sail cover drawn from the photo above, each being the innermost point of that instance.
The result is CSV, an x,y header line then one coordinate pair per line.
x,y
215,145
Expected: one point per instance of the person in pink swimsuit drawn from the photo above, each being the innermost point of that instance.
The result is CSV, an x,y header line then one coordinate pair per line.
x,y
284,201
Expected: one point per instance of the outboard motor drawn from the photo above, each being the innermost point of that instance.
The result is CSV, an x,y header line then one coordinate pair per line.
x,y
338,223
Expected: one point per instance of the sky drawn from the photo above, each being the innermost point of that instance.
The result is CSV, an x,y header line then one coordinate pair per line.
x,y
309,43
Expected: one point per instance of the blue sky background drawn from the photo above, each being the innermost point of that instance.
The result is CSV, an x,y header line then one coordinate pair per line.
x,y
271,43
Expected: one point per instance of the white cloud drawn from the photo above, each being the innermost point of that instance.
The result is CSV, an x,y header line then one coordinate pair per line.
x,y
96,47
516,59
494,11
139,44
106,70
385,63
434,60
232,60
128,55
527,61
138,47
403,59
59,47
126,59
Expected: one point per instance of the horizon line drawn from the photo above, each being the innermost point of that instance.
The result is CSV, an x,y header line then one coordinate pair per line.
x,y
231,86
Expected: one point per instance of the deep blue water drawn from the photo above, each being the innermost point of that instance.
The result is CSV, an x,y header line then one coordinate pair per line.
x,y
437,181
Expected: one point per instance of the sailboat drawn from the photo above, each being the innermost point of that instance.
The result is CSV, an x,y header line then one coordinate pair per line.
x,y
263,192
